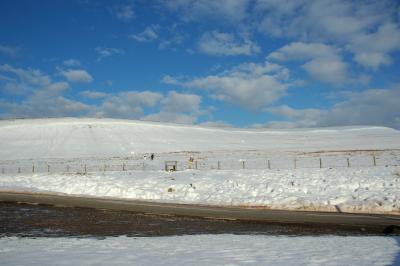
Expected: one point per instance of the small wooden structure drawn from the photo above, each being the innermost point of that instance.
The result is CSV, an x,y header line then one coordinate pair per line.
x,y
171,166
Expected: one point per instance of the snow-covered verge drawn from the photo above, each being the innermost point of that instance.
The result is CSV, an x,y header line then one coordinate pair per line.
x,y
366,189
196,250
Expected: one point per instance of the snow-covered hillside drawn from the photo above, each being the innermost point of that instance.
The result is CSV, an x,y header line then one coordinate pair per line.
x,y
74,137
354,169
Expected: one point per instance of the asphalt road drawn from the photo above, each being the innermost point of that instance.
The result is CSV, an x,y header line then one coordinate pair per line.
x,y
377,222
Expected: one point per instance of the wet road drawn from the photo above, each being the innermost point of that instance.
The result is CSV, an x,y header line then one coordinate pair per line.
x,y
107,216
44,221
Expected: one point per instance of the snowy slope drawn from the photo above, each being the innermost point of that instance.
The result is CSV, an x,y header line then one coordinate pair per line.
x,y
74,137
104,157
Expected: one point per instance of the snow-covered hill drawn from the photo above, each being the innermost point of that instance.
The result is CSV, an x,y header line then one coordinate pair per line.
x,y
252,167
75,137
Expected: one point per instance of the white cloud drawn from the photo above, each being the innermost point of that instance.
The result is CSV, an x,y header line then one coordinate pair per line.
x,y
219,43
147,35
94,94
371,50
103,52
29,76
174,39
41,97
128,104
124,13
77,75
224,10
167,79
323,62
178,108
14,88
9,51
316,19
378,107
42,105
297,118
368,29
57,87
181,102
252,86
72,62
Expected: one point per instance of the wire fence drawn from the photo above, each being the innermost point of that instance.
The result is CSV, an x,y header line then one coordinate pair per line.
x,y
84,166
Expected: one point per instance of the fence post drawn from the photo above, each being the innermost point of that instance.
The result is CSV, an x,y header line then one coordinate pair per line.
x,y
123,166
295,163
195,164
243,166
374,160
320,162
19,170
85,170
33,167
348,162
269,164
219,165
48,168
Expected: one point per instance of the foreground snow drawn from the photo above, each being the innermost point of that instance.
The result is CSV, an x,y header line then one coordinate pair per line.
x,y
198,250
366,189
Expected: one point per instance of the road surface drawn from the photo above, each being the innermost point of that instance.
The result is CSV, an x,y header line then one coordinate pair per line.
x,y
378,222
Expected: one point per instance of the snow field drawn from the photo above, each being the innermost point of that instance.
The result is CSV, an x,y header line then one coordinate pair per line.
x,y
361,190
196,250
87,157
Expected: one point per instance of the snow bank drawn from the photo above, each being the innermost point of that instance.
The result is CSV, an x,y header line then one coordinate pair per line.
x,y
367,189
196,250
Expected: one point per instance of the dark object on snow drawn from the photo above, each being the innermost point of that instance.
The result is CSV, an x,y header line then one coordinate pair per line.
x,y
152,156
171,166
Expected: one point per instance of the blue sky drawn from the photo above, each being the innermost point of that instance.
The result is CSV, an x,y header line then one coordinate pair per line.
x,y
246,63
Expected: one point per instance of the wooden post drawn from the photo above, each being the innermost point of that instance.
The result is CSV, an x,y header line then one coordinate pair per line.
x,y
85,170
19,169
243,166
48,168
219,165
269,164
348,162
33,167
320,162
374,160
295,163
